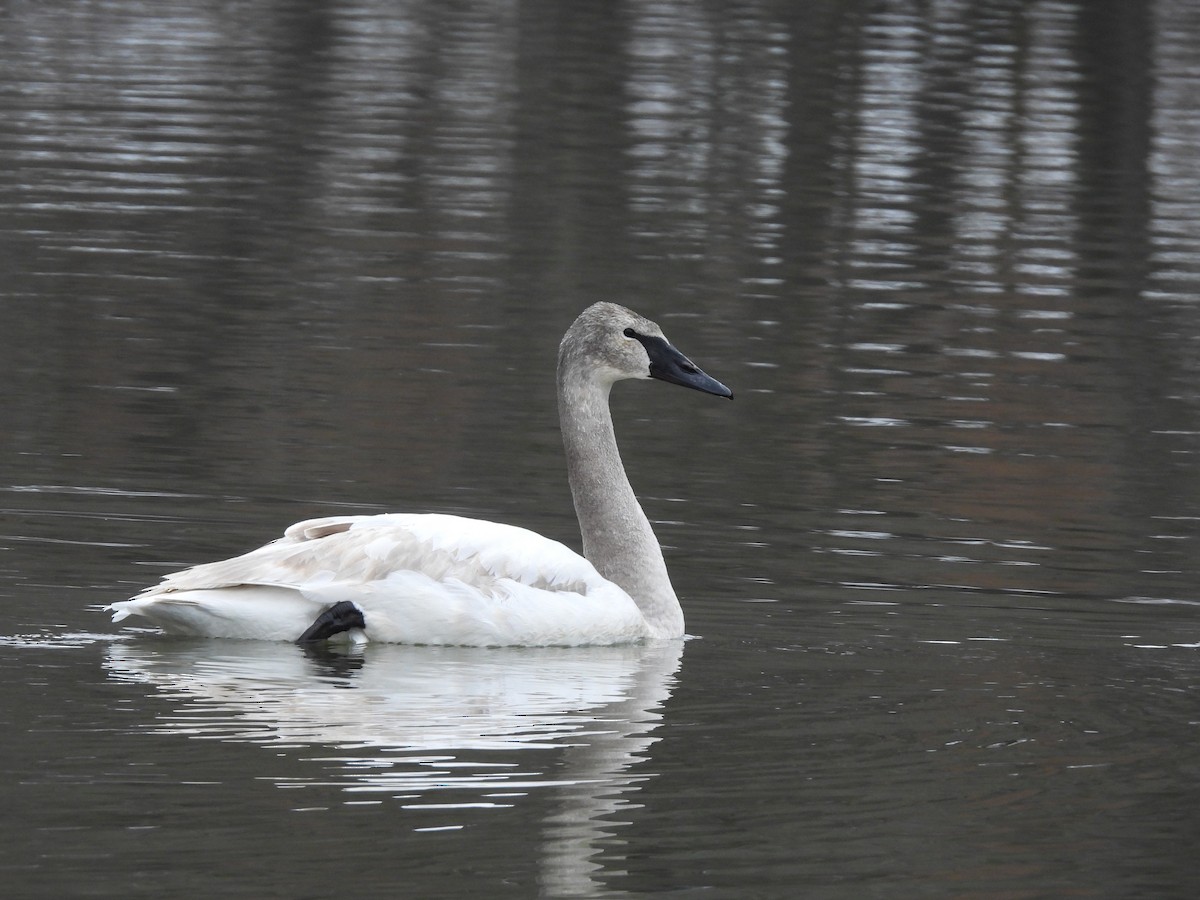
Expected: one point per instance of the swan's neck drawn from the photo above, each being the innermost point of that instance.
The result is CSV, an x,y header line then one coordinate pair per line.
x,y
617,537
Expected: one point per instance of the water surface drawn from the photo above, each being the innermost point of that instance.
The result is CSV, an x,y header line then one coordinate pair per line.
x,y
939,558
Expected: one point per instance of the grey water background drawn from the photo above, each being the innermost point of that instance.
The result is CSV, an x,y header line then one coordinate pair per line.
x,y
264,261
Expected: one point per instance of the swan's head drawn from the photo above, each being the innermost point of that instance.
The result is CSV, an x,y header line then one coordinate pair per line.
x,y
611,343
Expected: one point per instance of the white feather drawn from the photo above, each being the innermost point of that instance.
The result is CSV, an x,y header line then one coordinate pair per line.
x,y
423,579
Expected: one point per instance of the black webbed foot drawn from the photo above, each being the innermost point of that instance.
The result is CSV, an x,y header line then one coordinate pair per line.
x,y
338,618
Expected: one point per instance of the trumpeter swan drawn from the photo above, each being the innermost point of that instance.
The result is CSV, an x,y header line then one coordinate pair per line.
x,y
439,579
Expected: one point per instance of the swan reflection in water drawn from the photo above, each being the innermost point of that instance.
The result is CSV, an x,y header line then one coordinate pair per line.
x,y
432,726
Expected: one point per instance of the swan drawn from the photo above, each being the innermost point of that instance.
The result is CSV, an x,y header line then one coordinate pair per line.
x,y
449,580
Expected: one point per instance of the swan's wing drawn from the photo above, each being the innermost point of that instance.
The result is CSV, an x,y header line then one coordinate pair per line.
x,y
369,549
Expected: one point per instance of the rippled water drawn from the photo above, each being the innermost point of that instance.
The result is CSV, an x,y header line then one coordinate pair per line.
x,y
940,555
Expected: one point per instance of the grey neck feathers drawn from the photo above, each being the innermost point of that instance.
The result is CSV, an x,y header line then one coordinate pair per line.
x,y
617,537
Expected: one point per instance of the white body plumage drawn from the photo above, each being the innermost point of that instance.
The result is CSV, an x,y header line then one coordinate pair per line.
x,y
418,579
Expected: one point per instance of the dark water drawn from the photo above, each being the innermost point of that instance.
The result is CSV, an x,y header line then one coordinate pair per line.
x,y
266,261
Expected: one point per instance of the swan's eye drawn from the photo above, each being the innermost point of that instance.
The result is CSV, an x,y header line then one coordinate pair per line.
x,y
630,333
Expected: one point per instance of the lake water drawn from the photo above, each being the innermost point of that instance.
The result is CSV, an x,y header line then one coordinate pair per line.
x,y
940,557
